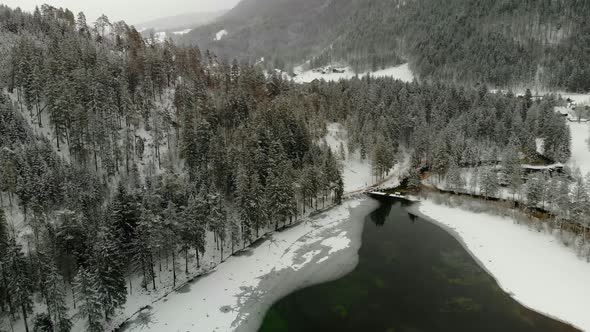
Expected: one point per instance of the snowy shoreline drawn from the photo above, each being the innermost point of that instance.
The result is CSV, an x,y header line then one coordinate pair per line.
x,y
237,294
534,268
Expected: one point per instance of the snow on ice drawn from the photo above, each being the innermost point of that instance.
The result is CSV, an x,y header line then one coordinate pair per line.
x,y
534,267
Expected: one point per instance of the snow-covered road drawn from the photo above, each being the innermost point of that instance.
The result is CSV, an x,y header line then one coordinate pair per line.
x,y
534,267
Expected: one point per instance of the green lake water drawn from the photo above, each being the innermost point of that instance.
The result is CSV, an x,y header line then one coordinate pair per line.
x,y
412,276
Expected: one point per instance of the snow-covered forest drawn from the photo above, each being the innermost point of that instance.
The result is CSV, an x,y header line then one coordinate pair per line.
x,y
129,166
502,43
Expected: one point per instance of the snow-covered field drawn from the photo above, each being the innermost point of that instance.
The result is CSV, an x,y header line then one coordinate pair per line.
x,y
534,267
237,293
401,72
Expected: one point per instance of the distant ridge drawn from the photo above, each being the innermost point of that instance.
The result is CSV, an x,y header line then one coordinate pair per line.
x,y
506,43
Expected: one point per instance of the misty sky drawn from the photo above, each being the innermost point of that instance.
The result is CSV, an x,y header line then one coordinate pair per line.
x,y
131,11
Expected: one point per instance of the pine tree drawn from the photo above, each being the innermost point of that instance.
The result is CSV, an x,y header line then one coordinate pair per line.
x,y
195,224
579,197
440,158
217,221
109,268
42,323
19,280
88,299
474,181
5,295
81,24
512,168
234,232
534,187
243,204
455,179
171,231
56,295
145,245
414,180
489,182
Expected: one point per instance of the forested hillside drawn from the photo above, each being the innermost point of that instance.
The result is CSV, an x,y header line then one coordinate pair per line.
x,y
503,43
120,155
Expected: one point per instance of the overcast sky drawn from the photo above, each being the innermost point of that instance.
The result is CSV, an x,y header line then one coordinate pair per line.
x,y
131,11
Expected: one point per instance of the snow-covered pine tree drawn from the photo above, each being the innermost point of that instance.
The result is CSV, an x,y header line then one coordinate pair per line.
x,y
217,221
455,179
88,299
440,156
414,180
534,192
171,236
511,166
243,203
20,284
580,199
108,264
56,298
4,240
488,180
195,224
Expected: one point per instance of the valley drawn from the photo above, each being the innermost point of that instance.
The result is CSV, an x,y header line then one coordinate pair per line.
x,y
296,165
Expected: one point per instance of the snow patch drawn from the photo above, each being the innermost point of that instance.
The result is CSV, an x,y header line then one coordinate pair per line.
x,y
540,142
401,72
216,301
160,36
182,32
534,267
336,243
357,173
220,34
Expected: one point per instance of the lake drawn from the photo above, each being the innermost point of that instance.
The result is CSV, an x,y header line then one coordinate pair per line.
x,y
411,276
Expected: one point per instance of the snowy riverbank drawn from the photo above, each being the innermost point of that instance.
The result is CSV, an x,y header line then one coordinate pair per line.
x,y
236,295
534,267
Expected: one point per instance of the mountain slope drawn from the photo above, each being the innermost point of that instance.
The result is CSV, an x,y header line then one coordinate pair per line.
x,y
288,30
503,43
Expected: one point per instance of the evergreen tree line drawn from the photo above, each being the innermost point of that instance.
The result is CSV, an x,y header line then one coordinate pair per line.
x,y
444,125
565,195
